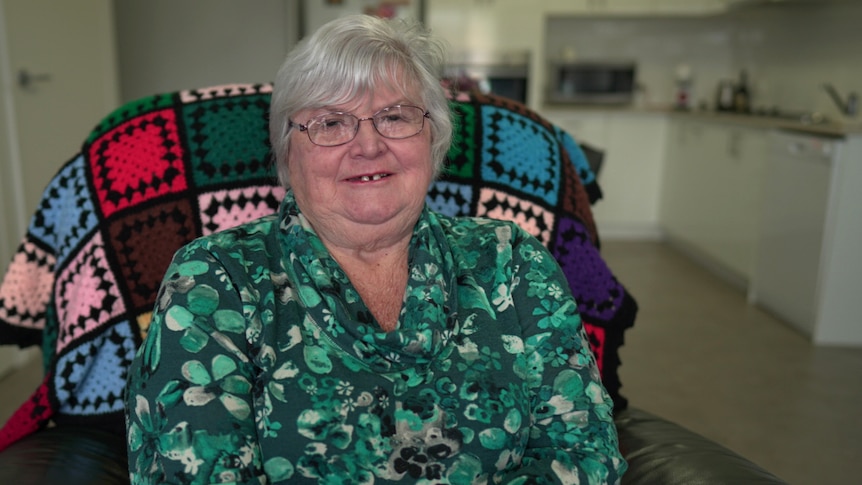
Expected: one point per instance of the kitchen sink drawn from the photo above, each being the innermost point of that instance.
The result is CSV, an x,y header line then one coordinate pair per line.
x,y
804,117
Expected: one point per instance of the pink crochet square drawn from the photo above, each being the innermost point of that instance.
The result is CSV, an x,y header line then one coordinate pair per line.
x,y
228,208
222,91
87,294
531,217
26,288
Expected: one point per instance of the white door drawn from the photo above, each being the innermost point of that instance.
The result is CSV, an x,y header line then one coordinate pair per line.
x,y
67,51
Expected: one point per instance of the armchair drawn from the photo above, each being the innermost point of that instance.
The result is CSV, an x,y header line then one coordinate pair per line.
x,y
165,169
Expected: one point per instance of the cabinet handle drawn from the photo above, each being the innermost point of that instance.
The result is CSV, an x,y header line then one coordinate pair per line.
x,y
27,79
733,145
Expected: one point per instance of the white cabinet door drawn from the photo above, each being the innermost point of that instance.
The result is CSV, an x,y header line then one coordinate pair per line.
x,y
689,7
623,7
490,26
740,177
691,192
630,176
588,126
598,7
679,190
450,19
567,7
711,191
634,7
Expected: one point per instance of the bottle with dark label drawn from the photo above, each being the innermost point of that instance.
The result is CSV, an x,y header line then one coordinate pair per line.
x,y
741,95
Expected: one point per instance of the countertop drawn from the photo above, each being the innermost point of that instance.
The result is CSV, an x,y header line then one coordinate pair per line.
x,y
832,128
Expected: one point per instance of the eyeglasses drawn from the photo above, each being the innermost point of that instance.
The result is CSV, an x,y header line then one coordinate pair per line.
x,y
333,129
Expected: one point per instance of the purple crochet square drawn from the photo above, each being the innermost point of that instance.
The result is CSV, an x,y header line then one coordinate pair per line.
x,y
597,291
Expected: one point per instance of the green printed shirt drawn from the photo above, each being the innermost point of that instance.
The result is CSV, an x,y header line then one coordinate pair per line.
x,y
263,365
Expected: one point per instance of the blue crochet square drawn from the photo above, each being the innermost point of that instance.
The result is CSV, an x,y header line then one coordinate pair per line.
x,y
90,378
510,144
66,213
585,172
450,198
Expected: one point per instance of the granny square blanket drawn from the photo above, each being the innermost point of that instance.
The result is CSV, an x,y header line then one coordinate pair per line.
x,y
163,170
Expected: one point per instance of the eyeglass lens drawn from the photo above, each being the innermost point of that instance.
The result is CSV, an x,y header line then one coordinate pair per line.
x,y
338,128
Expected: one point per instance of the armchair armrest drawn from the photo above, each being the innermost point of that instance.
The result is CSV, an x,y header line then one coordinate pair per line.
x,y
66,455
661,452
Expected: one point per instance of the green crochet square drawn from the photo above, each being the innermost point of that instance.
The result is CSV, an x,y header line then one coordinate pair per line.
x,y
462,153
227,140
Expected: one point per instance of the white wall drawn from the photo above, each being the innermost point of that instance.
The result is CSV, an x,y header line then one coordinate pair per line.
x,y
794,49
788,50
657,44
11,224
42,125
168,45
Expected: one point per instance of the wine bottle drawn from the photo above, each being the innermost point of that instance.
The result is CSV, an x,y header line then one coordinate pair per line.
x,y
741,95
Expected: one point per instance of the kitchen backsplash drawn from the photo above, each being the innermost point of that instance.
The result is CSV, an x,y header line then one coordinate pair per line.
x,y
788,51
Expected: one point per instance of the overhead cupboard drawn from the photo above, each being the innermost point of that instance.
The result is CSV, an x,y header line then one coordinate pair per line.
x,y
636,7
475,26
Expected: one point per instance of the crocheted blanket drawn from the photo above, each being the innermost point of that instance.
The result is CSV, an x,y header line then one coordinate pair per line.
x,y
165,169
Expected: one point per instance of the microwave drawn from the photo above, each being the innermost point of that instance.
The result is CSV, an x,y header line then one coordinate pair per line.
x,y
592,82
505,79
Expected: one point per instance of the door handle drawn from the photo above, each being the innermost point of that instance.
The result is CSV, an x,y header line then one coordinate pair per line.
x,y
27,79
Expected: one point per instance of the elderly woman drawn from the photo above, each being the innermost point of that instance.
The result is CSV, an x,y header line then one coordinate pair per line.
x,y
356,336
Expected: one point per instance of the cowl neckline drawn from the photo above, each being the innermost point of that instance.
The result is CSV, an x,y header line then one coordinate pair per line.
x,y
338,323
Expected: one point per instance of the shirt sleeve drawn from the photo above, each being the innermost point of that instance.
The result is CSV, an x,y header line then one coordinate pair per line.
x,y
573,438
189,392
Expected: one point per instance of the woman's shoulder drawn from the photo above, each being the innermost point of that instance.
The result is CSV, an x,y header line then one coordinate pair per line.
x,y
486,235
250,237
483,227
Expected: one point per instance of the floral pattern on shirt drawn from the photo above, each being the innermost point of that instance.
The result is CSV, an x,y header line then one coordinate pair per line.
x,y
263,365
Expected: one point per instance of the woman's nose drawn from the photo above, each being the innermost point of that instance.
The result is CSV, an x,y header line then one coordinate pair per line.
x,y
367,139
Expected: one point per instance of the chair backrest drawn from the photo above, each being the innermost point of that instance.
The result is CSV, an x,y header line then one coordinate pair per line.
x,y
165,169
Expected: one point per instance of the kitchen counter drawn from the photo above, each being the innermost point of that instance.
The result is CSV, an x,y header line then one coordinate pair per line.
x,y
837,129
830,128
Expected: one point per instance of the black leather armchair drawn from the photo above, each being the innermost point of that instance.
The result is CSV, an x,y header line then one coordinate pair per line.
x,y
152,175
658,452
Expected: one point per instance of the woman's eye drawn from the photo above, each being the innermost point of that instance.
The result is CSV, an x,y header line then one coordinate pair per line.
x,y
331,122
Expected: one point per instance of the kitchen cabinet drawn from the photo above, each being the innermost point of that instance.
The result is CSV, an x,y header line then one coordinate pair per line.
x,y
690,7
808,270
840,265
492,32
711,192
795,210
485,27
630,176
634,7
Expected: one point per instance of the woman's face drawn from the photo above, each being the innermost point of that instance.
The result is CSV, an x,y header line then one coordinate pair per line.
x,y
370,184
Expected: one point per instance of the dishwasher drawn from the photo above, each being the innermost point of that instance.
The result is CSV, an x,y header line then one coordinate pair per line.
x,y
787,273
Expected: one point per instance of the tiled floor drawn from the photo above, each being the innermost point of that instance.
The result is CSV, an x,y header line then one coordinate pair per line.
x,y
701,356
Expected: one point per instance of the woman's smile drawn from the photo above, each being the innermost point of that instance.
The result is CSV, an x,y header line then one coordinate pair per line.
x,y
369,178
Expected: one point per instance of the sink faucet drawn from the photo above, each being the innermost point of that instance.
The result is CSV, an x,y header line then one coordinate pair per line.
x,y
848,107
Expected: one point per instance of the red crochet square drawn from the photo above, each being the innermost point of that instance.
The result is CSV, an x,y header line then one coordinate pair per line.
x,y
137,161
596,335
